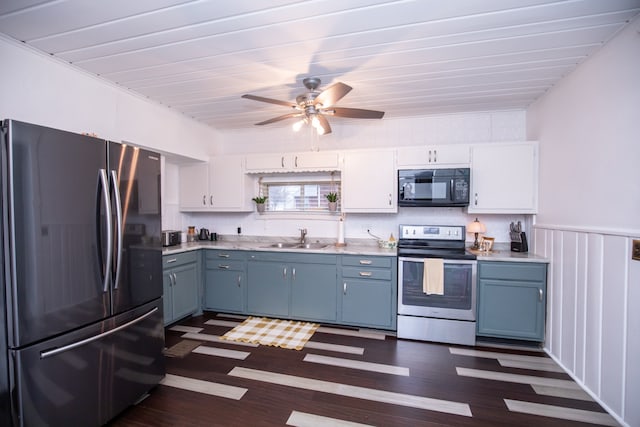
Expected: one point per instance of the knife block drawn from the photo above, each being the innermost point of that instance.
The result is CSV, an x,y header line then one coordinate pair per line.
x,y
519,242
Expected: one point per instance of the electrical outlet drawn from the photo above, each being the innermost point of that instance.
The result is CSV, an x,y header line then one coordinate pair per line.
x,y
635,250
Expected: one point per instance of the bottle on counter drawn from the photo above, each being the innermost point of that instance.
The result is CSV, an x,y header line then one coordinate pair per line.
x,y
191,234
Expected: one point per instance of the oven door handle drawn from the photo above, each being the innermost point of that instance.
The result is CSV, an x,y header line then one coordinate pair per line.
x,y
444,260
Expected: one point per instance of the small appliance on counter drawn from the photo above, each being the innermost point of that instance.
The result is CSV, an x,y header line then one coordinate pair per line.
x,y
518,238
170,237
204,234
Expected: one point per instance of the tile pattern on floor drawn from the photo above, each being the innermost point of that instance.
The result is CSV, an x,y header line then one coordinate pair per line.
x,y
357,378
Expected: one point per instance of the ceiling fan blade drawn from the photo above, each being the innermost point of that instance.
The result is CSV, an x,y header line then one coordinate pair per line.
x,y
269,100
355,113
331,95
277,119
324,123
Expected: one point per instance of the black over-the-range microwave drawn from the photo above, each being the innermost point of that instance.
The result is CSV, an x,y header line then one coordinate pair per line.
x,y
433,187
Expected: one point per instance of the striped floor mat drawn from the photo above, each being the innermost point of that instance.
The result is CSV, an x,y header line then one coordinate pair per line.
x,y
273,332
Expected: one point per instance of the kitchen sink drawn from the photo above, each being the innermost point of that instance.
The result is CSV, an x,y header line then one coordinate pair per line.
x,y
284,245
311,245
288,245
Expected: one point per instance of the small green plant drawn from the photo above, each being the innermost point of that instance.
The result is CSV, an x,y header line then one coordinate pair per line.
x,y
260,199
332,197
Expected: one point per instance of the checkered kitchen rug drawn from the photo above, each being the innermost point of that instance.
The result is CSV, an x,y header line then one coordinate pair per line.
x,y
274,332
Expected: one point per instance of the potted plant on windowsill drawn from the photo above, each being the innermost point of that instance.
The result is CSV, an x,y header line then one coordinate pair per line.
x,y
332,198
260,200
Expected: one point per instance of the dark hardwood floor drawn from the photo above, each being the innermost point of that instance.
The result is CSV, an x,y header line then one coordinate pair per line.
x,y
435,372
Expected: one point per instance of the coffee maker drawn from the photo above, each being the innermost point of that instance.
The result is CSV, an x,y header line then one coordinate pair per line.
x,y
518,238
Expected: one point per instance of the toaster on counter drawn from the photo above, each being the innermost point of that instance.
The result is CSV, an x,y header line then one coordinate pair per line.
x,y
170,237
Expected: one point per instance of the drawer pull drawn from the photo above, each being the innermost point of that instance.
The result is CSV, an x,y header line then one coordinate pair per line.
x,y
172,260
223,266
223,255
365,273
365,262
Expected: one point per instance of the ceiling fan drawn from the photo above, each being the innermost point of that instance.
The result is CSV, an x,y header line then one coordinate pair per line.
x,y
313,106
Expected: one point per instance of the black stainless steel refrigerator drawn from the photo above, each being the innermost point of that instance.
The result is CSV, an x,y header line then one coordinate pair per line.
x,y
81,333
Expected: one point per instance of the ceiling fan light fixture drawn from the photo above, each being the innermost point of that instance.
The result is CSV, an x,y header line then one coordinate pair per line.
x,y
298,125
314,106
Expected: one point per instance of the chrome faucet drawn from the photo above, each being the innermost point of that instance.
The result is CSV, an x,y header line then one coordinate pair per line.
x,y
303,235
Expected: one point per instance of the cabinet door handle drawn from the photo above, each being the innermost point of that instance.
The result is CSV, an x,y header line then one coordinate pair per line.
x,y
284,272
204,200
540,295
211,200
296,161
293,273
365,262
174,279
365,273
223,255
223,266
390,200
476,199
282,161
435,156
172,260
239,279
429,156
344,288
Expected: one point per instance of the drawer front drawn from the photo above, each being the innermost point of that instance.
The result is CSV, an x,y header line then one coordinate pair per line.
x,y
224,264
218,254
169,261
293,257
368,261
366,272
513,271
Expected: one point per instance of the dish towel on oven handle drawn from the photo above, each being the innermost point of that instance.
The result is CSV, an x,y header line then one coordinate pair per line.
x,y
433,276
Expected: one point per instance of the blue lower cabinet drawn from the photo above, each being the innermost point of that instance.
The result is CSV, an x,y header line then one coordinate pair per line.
x,y
181,284
292,285
268,288
313,292
368,290
225,281
512,300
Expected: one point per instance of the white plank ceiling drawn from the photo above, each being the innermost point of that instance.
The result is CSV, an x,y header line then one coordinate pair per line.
x,y
407,58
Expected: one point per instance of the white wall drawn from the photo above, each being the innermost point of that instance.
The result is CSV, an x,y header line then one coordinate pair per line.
x,y
38,89
588,127
441,130
388,132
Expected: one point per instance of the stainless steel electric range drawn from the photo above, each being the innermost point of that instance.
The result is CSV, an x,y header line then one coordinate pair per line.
x,y
448,314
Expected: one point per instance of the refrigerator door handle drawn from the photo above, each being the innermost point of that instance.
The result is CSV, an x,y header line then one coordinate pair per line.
x,y
104,183
49,353
116,193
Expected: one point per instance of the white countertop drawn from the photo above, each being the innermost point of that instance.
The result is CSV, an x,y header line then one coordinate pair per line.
x,y
357,247
505,254
365,247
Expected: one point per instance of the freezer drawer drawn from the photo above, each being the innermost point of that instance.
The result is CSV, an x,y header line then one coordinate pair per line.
x,y
88,376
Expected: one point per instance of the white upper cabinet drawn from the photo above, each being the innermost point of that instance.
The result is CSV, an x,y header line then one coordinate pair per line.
x,y
433,156
369,181
230,189
504,178
218,186
193,186
292,162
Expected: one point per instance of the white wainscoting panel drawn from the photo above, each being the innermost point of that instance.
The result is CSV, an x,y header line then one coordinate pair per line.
x,y
592,329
